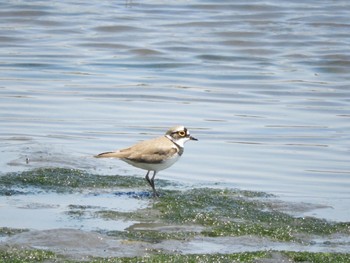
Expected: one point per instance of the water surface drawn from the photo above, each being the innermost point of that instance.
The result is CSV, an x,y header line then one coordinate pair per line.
x,y
262,84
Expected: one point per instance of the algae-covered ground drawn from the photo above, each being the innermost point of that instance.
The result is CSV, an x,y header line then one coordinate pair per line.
x,y
183,225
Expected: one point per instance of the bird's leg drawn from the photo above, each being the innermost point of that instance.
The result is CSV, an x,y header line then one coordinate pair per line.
x,y
151,183
148,180
155,194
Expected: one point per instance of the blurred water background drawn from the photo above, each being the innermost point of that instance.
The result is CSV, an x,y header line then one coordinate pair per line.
x,y
263,85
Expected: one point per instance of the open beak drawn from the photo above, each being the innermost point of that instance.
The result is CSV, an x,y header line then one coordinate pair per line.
x,y
193,139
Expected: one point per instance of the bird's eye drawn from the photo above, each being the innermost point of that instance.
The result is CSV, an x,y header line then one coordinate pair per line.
x,y
181,133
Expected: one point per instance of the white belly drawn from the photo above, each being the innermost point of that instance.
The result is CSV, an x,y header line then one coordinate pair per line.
x,y
154,166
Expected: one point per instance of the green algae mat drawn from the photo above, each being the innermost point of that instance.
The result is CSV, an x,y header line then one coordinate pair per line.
x,y
183,225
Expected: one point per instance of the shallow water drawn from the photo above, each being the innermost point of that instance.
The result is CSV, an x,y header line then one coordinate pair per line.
x,y
44,211
263,85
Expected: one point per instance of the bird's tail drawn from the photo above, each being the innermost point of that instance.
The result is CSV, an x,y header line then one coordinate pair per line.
x,y
108,155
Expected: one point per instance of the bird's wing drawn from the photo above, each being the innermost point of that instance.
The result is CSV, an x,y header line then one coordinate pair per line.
x,y
150,151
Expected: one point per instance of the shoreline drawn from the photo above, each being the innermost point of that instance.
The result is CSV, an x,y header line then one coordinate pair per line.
x,y
179,225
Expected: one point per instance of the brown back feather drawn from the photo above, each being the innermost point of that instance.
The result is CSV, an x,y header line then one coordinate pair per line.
x,y
151,151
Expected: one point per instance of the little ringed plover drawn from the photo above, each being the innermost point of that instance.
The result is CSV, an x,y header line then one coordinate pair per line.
x,y
155,154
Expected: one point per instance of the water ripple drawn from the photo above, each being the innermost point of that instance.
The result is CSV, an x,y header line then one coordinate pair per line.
x,y
263,84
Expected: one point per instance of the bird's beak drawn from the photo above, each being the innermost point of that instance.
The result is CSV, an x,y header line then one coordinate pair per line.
x,y
193,139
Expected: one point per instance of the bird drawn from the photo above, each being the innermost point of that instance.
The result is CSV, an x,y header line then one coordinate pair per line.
x,y
155,154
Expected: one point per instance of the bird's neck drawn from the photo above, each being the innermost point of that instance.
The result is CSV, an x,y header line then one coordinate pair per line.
x,y
179,144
